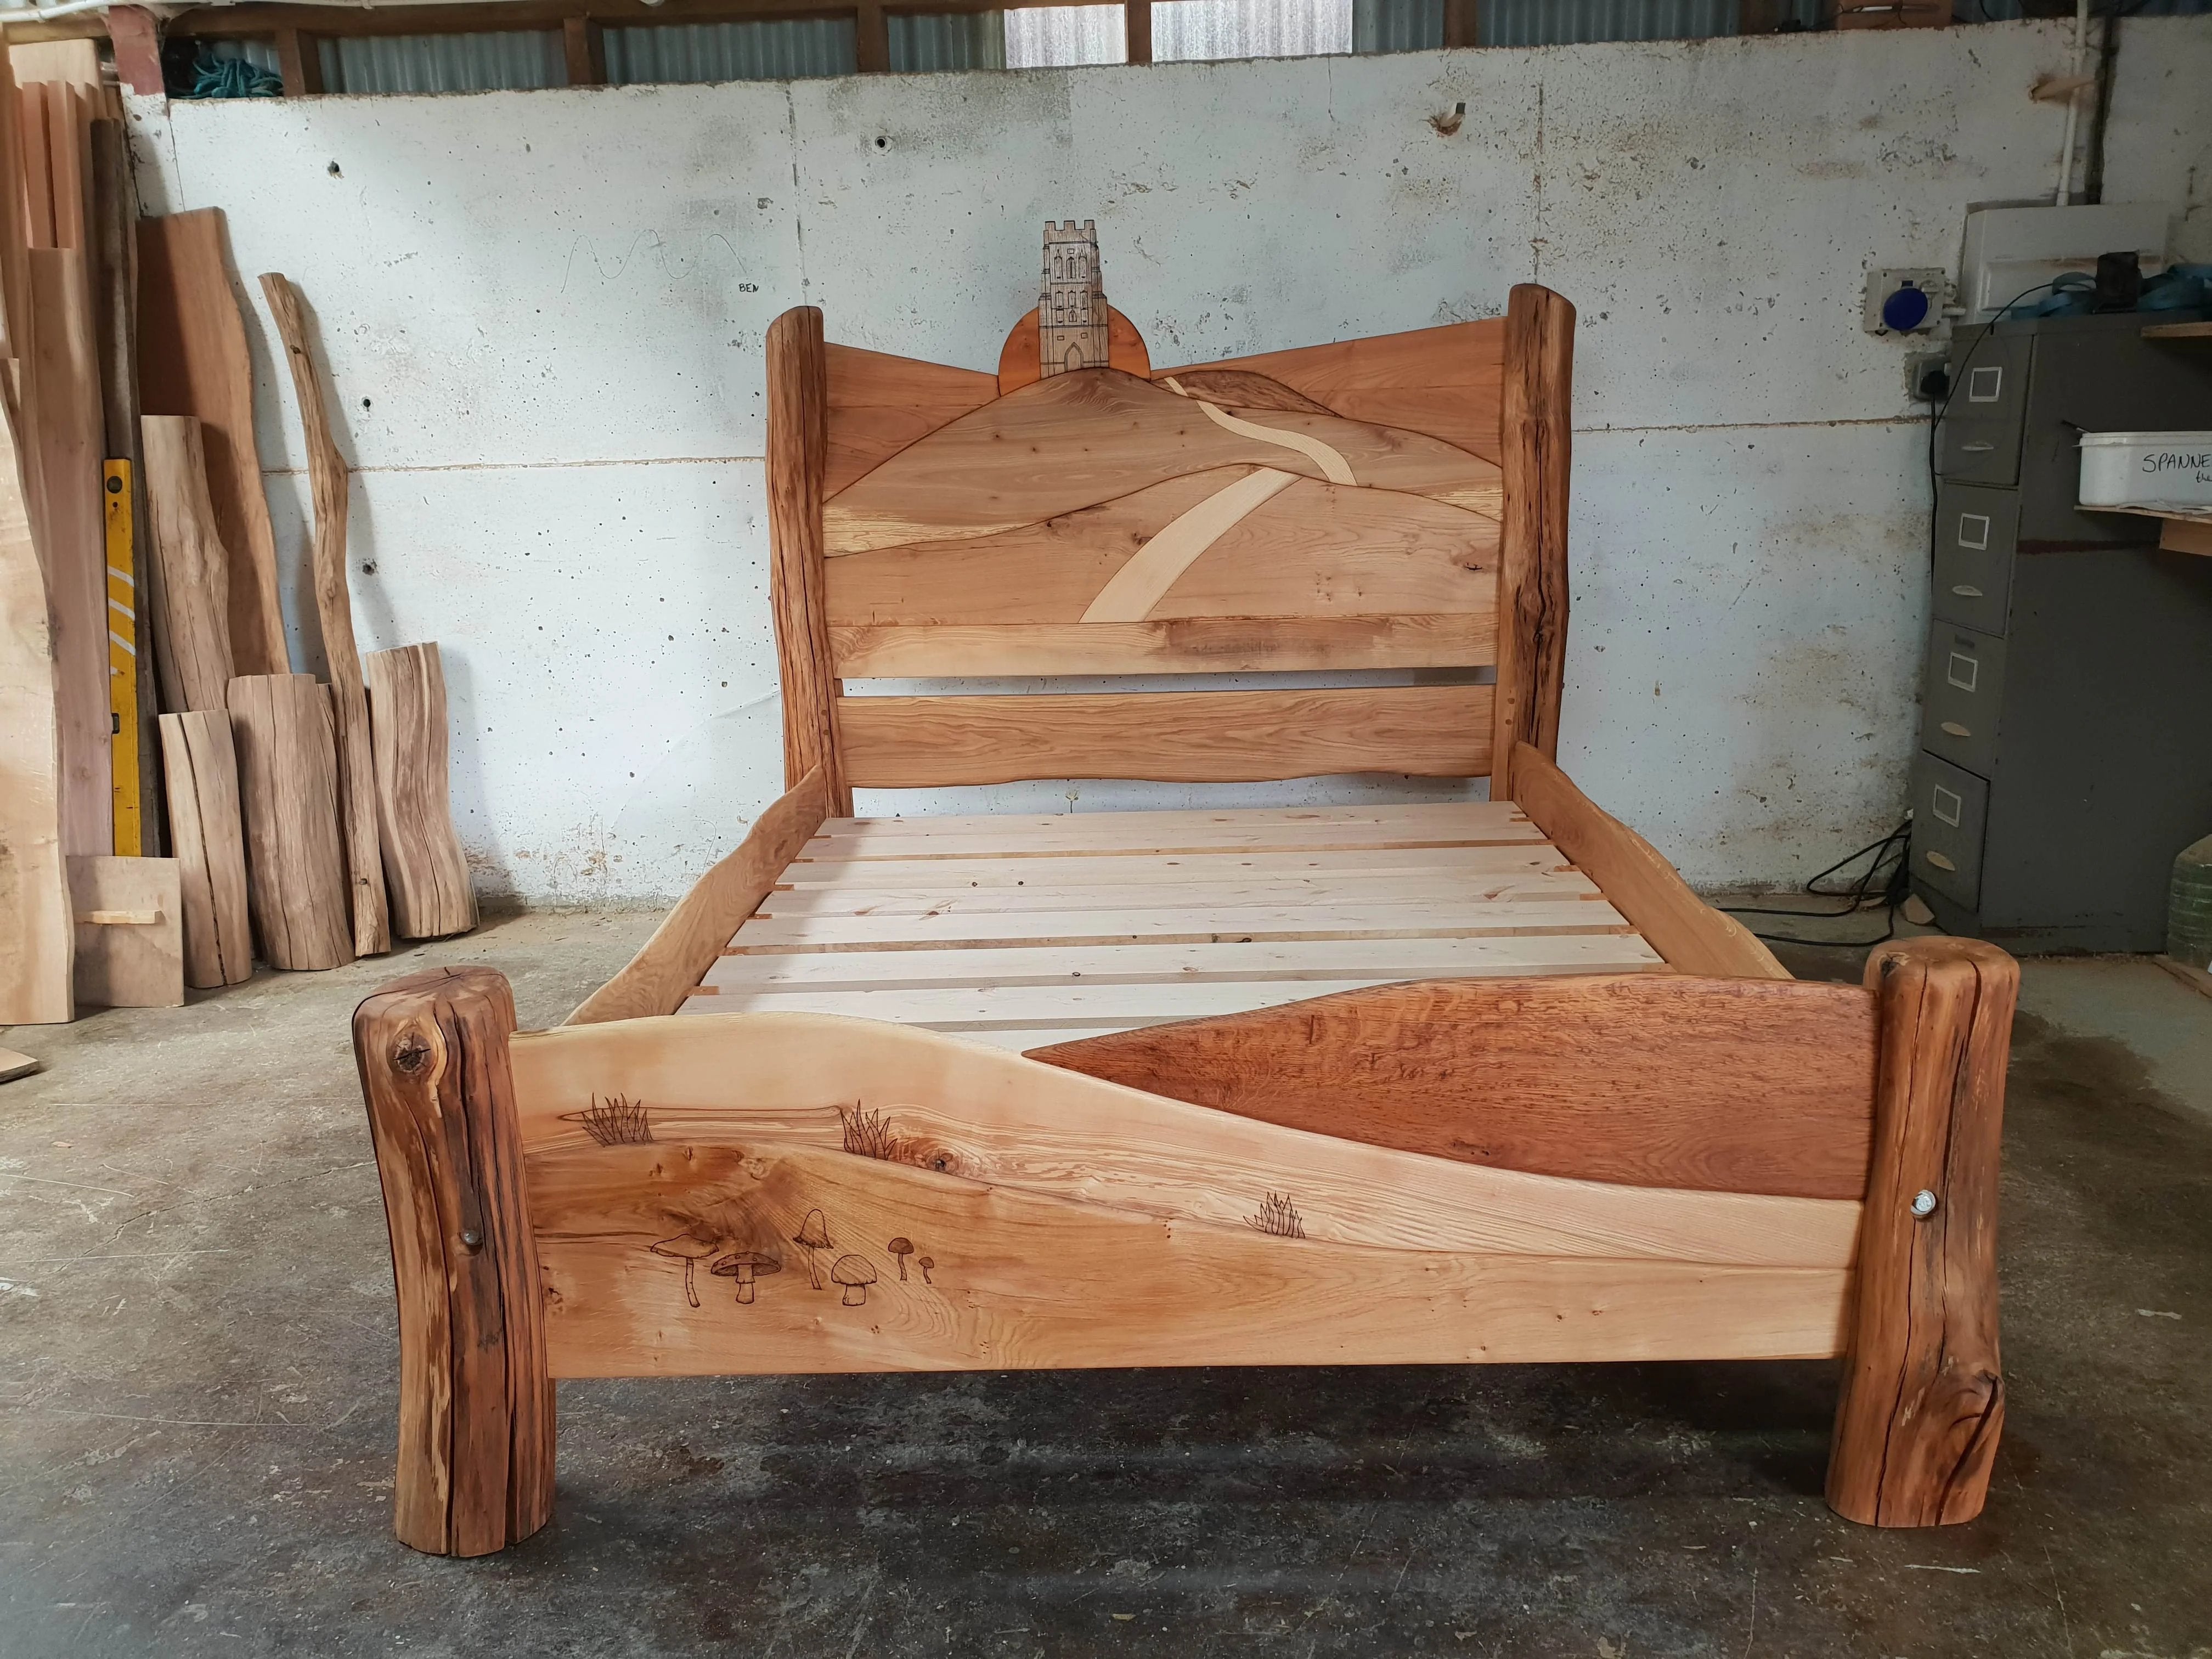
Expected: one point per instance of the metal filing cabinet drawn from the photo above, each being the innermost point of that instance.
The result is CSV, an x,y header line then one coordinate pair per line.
x,y
2066,695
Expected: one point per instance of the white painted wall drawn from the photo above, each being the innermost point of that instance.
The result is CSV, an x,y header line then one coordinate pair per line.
x,y
543,312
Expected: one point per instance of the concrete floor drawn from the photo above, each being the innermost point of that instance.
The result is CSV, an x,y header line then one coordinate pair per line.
x,y
197,1377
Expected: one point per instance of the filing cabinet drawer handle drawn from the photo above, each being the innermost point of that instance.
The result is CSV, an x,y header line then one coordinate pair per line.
x,y
1941,862
1978,449
1966,593
1956,730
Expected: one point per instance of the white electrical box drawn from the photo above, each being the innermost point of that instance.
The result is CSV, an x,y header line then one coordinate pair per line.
x,y
1909,300
2013,251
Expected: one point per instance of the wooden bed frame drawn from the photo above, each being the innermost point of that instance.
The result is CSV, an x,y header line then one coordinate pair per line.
x,y
1479,1081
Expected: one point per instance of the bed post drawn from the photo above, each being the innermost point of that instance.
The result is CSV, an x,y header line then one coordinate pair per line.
x,y
797,463
1923,1398
476,1397
1535,405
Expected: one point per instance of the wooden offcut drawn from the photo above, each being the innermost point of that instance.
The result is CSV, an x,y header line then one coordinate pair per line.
x,y
1923,1403
287,791
192,359
189,568
199,758
326,470
426,871
129,933
476,1397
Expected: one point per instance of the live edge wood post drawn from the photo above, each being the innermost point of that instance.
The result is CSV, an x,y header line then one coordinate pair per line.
x,y
1922,1399
1532,572
797,462
476,1397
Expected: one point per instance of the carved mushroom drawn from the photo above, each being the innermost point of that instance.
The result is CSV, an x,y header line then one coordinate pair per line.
x,y
813,1234
690,1249
901,1247
925,1264
744,1266
855,1274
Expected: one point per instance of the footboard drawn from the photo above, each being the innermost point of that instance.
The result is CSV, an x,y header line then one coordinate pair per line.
x,y
1621,1167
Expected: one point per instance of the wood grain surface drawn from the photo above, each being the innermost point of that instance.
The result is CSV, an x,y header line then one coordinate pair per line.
x,y
798,402
1537,430
426,869
879,404
1193,645
327,474
1445,381
1441,730
1020,363
190,566
64,437
1691,935
130,934
37,943
1923,1398
690,939
1719,1085
1316,550
476,1397
289,796
932,1103
192,359
1021,1280
1075,440
199,761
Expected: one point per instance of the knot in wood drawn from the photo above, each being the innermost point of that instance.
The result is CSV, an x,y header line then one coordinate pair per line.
x,y
410,1054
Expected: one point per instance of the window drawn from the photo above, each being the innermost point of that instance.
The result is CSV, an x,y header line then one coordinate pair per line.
x,y
1188,31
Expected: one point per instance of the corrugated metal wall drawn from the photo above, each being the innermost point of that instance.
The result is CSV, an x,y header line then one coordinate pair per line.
x,y
1059,37
780,49
443,62
1185,31
1397,25
1562,22
947,40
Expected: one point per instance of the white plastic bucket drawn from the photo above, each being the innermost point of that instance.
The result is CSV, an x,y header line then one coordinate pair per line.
x,y
2147,469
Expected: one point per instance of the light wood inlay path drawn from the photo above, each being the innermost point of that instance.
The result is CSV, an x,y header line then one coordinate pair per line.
x,y
1023,931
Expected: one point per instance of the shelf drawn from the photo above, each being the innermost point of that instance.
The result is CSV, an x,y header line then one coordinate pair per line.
x,y
2178,331
2188,530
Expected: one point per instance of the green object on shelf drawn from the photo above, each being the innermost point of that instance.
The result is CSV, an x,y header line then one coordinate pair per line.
x,y
2189,907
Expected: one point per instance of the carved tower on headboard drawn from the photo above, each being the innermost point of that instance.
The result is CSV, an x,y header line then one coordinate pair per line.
x,y
1072,302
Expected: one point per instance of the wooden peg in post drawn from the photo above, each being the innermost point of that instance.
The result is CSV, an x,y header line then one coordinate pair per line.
x,y
1923,1401
476,1397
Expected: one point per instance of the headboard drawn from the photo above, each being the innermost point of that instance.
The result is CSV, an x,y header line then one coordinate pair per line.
x,y
1394,503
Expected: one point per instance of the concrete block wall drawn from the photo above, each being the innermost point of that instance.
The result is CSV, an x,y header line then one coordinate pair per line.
x,y
543,313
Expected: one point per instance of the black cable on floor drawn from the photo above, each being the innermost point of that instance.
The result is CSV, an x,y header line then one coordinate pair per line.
x,y
1886,880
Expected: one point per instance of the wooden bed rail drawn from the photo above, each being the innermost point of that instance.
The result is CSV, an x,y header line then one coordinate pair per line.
x,y
791,1192
1693,937
683,947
